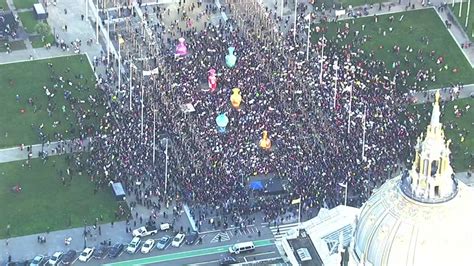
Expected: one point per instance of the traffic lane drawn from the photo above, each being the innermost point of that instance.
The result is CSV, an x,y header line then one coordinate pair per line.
x,y
206,237
260,253
179,253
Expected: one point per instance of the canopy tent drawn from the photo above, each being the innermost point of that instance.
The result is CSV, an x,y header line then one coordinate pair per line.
x,y
256,185
119,192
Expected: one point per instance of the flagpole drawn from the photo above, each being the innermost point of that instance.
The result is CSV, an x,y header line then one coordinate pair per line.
x,y
335,67
130,94
299,213
467,14
350,110
294,30
108,37
363,132
307,43
281,11
119,63
345,196
322,61
141,85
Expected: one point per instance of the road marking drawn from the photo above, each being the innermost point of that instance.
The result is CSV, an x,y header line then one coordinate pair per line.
x,y
224,237
228,229
205,262
280,231
260,254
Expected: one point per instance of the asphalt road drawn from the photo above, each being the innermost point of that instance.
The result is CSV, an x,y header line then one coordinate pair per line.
x,y
207,253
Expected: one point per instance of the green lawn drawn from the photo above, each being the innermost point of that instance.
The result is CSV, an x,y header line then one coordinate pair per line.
x,y
29,21
462,20
44,202
37,41
3,5
19,121
458,129
424,24
21,4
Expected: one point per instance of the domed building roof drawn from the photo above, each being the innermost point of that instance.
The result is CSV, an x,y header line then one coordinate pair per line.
x,y
423,216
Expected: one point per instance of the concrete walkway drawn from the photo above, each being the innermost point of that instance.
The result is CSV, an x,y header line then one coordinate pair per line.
x,y
53,148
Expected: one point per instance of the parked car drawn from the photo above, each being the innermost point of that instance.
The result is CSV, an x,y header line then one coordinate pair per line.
x,y
69,257
145,231
37,261
86,254
101,252
165,226
164,242
134,245
116,250
178,240
148,245
191,238
56,258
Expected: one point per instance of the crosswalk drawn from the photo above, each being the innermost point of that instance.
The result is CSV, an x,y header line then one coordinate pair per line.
x,y
224,236
280,231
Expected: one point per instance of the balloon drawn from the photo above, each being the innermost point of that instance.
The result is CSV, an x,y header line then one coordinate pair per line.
x,y
230,59
181,48
265,142
235,98
222,121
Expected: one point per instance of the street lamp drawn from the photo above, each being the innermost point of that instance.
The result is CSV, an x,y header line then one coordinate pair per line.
x,y
164,142
85,234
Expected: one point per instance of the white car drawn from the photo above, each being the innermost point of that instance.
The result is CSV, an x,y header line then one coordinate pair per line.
x,y
134,244
86,254
178,240
148,245
56,258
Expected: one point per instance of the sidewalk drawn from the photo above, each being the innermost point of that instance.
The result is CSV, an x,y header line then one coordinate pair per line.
x,y
27,247
16,154
428,96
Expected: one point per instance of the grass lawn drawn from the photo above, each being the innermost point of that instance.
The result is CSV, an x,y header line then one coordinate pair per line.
x,y
15,45
37,41
29,21
21,4
3,5
458,128
20,123
424,24
462,20
45,202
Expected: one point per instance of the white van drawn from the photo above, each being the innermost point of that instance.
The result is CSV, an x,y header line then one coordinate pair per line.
x,y
241,247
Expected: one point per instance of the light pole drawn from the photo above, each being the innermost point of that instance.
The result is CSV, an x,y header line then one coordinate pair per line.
x,y
363,132
154,135
336,68
321,60
164,141
97,22
85,233
294,30
307,43
142,105
467,14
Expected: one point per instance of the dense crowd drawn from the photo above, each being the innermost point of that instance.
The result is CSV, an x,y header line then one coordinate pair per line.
x,y
313,146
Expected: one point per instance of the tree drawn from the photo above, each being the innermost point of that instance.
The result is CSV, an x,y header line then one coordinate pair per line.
x,y
42,28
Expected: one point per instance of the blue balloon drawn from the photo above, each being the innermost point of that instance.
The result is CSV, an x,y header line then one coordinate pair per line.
x,y
222,121
230,59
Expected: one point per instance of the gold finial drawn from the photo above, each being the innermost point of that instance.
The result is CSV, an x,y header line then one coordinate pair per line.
x,y
448,143
437,97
